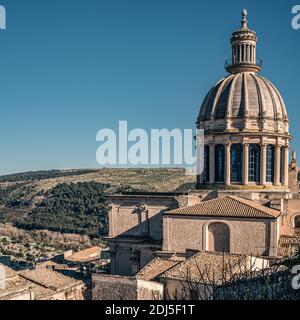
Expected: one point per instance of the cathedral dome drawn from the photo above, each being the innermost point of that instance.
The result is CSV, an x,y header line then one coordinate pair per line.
x,y
244,101
245,124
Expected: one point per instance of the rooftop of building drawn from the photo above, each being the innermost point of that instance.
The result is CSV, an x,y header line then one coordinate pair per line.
x,y
156,268
228,206
42,283
85,255
207,267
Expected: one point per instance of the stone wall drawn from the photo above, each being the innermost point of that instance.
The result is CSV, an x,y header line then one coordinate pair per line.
x,y
108,287
124,220
247,236
292,210
128,257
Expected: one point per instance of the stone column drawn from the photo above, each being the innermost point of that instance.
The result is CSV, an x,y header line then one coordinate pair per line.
x,y
263,164
246,163
227,164
277,165
273,238
286,166
248,53
200,147
212,159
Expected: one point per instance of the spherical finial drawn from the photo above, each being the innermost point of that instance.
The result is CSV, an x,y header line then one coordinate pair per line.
x,y
244,20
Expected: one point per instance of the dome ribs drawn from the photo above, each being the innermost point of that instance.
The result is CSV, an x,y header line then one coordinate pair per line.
x,y
246,96
282,104
271,93
221,105
260,98
229,104
239,101
218,94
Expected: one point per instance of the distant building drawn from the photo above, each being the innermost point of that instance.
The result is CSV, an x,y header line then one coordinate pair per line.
x,y
83,256
79,264
40,284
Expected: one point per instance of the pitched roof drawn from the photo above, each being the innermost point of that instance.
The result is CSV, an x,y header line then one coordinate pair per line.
x,y
228,206
8,272
207,267
155,268
43,283
85,255
48,278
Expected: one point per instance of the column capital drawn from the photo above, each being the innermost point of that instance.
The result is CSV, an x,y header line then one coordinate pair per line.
x,y
264,144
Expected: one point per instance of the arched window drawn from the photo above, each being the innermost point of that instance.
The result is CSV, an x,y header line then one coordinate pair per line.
x,y
218,237
236,162
220,163
297,222
206,163
270,164
254,163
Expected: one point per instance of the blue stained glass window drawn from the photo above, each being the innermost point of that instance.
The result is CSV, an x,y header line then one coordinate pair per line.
x,y
281,164
219,163
206,163
236,163
254,163
270,164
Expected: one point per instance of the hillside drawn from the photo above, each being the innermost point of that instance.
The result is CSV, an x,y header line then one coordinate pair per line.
x,y
72,201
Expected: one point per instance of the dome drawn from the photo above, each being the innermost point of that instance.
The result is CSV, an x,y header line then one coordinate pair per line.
x,y
246,129
244,101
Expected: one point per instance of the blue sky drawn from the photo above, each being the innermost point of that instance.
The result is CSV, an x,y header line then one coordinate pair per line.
x,y
70,68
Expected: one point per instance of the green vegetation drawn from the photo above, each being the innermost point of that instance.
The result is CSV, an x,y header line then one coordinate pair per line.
x,y
8,194
43,174
186,187
73,201
71,208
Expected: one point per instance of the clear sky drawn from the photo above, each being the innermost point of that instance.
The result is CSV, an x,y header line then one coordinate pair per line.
x,y
71,67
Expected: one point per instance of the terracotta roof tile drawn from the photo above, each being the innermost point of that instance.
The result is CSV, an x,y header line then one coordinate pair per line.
x,y
48,278
207,267
9,273
155,268
228,206
43,283
85,255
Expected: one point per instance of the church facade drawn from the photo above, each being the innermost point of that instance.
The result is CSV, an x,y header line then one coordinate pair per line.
x,y
247,198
